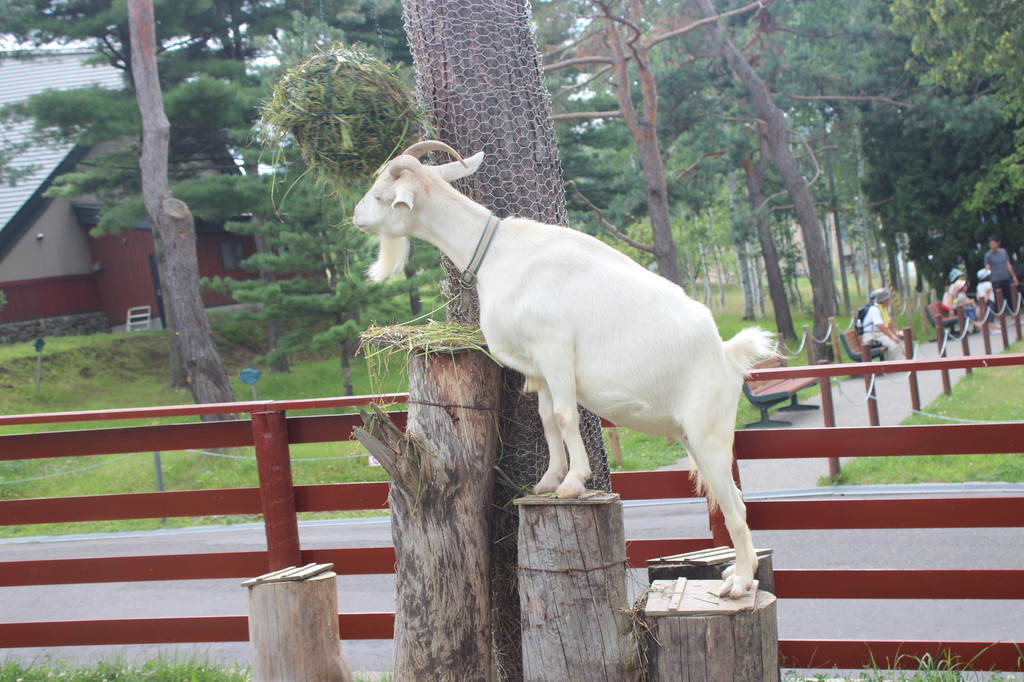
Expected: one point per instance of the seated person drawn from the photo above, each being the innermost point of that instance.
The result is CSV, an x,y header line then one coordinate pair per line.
x,y
986,294
878,326
956,296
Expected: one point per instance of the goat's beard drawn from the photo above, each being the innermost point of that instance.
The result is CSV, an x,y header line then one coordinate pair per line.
x,y
392,256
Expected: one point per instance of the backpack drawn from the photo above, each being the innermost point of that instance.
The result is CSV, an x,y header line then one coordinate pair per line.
x,y
859,322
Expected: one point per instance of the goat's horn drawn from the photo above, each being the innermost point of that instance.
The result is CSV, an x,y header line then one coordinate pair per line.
x,y
406,162
423,146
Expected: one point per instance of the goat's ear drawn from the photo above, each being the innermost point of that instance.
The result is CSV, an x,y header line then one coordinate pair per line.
x,y
405,191
455,169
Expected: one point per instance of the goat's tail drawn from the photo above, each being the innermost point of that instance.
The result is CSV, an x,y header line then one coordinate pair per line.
x,y
747,347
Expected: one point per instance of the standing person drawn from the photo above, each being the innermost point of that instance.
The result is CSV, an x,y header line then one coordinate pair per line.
x,y
998,263
879,327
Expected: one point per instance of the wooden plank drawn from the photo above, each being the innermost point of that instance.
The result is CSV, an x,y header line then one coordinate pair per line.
x,y
654,485
165,437
880,441
124,631
168,630
638,552
890,366
917,512
203,566
996,584
198,410
218,501
332,428
818,654
130,506
341,496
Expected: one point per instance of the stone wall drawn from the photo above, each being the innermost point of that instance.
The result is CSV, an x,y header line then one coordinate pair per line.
x,y
62,325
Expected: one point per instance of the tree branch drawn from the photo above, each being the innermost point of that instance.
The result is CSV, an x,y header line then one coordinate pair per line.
x,y
694,25
680,174
604,222
568,116
847,98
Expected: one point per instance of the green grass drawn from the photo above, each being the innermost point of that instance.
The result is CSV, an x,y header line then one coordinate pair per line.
x,y
157,670
988,394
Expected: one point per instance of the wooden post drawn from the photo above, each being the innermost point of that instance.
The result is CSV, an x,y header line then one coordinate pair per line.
x,y
811,360
277,493
293,626
695,636
869,386
572,587
1005,333
940,339
1016,318
908,352
965,342
442,479
924,316
614,445
835,339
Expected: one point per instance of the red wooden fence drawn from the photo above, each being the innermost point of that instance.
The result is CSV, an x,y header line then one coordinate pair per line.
x,y
271,430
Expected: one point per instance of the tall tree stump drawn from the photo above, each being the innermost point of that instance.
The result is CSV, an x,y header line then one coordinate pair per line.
x,y
442,478
293,626
572,587
696,636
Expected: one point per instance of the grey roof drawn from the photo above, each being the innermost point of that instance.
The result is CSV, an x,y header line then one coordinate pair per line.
x,y
27,74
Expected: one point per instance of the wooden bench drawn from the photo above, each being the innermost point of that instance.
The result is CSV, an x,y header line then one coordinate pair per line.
x,y
766,393
935,312
851,342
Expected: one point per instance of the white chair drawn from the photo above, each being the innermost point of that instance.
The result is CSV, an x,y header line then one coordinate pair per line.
x,y
139,317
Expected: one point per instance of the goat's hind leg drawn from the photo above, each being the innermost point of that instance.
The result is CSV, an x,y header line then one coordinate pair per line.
x,y
714,461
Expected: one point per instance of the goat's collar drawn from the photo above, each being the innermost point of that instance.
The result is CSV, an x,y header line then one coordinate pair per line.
x,y
467,280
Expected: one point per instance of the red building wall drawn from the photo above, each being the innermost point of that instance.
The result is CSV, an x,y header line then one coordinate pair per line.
x,y
32,298
126,278
122,278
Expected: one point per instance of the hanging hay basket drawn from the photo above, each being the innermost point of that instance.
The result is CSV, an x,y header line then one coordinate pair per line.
x,y
346,111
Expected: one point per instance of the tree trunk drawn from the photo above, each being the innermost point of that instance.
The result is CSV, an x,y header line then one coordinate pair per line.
x,y
477,71
442,479
776,287
644,127
172,220
822,284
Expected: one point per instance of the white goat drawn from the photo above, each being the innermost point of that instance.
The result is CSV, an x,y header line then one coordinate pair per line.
x,y
584,324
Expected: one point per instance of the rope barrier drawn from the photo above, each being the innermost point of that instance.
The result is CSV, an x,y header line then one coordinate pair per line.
x,y
792,355
67,472
828,335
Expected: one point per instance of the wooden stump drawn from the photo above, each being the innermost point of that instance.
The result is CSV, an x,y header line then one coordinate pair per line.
x,y
695,636
293,626
442,479
708,564
572,586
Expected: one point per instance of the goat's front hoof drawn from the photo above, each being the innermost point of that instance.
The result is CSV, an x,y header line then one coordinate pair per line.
x,y
569,490
548,483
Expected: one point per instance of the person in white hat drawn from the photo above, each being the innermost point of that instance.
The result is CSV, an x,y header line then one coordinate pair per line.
x,y
879,327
